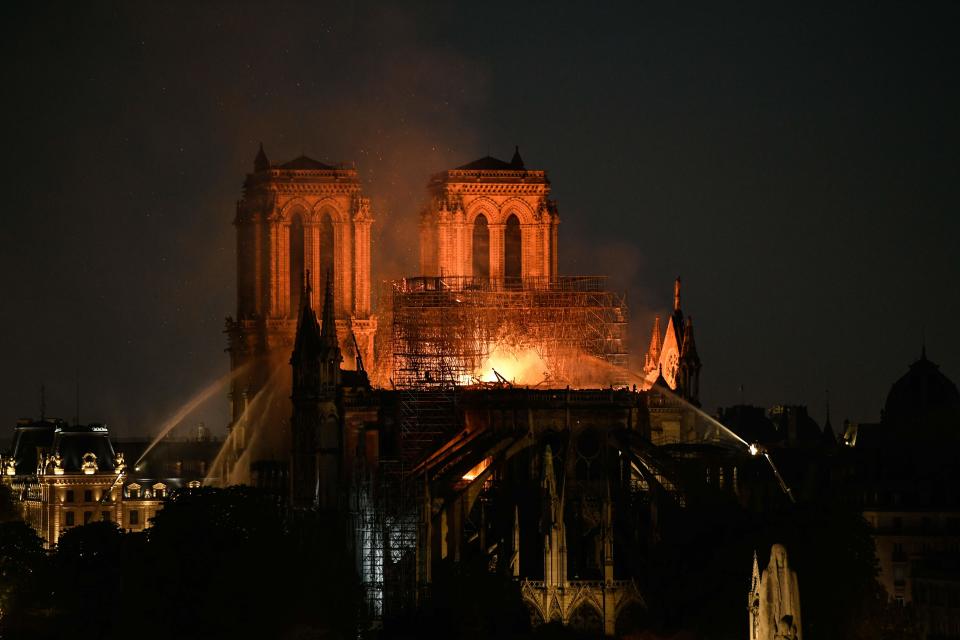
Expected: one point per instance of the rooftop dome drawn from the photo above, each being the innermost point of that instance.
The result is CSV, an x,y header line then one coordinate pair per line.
x,y
922,395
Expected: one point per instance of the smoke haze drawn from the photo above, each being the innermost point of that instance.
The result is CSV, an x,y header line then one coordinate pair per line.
x,y
798,170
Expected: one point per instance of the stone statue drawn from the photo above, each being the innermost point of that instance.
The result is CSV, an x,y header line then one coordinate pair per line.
x,y
774,599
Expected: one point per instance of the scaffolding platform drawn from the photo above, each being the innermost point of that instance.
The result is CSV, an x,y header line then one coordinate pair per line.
x,y
443,329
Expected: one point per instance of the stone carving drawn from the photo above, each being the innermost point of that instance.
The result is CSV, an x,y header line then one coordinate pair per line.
x,y
774,599
89,464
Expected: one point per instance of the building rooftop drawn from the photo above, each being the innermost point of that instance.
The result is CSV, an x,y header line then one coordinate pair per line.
x,y
304,163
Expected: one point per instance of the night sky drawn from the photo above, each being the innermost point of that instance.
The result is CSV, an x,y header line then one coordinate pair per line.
x,y
797,166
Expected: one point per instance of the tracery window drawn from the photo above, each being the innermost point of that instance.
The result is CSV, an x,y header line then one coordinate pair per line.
x,y
296,262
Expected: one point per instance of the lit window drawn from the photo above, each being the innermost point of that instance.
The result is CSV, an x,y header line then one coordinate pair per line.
x,y
193,484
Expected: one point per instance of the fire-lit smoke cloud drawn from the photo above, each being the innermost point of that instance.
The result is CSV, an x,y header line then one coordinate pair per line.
x,y
135,284
796,179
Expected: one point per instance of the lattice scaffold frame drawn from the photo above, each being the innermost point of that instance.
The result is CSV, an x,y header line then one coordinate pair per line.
x,y
444,328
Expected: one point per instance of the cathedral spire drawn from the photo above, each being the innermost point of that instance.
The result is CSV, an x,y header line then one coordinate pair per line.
x,y
828,437
307,289
328,325
307,342
261,163
689,378
661,381
656,345
688,349
677,315
517,161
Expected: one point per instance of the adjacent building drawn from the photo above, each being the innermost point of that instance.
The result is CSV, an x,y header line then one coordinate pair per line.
x,y
69,475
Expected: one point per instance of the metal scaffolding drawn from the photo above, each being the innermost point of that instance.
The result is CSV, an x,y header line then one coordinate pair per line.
x,y
444,328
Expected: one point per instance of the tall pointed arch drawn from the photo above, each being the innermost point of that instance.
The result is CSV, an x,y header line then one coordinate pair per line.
x,y
481,247
296,263
512,251
327,245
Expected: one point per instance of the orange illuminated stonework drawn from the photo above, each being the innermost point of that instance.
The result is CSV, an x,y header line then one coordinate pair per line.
x,y
490,219
298,217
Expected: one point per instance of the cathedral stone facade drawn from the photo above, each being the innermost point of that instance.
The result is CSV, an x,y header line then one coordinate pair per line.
x,y
490,220
539,481
293,217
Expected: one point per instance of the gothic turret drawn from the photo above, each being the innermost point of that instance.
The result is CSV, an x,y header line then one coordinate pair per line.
x,y
261,163
670,348
774,600
828,437
516,162
677,315
656,345
553,526
315,424
688,382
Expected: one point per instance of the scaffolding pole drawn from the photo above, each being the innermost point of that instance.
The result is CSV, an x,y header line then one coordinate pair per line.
x,y
445,328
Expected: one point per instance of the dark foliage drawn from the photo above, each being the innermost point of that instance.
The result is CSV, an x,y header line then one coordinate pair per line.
x,y
216,564
23,567
468,601
700,573
9,510
233,563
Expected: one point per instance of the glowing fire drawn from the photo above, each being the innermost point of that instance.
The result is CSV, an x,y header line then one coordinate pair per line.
x,y
519,366
524,365
477,470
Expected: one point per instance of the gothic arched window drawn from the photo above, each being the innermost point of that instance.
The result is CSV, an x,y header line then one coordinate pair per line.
x,y
512,261
296,262
326,250
481,247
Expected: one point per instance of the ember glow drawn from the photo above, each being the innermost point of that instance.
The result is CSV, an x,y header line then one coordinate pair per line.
x,y
522,366
477,470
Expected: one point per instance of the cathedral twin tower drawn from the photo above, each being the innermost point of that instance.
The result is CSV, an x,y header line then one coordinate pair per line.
x,y
488,220
487,226
298,216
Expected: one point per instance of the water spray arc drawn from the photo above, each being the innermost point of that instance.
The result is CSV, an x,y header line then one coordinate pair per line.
x,y
218,472
753,449
186,409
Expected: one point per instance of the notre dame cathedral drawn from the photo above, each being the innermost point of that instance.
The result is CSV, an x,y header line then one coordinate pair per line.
x,y
412,417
